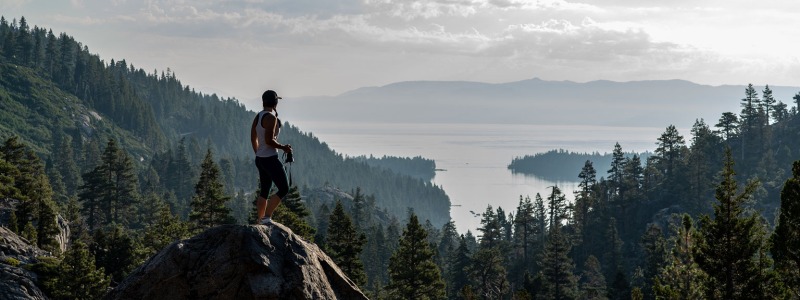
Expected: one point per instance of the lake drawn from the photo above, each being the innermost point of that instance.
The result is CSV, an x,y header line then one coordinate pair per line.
x,y
474,157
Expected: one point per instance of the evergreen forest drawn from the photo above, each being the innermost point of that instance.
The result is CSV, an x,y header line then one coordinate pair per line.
x,y
131,161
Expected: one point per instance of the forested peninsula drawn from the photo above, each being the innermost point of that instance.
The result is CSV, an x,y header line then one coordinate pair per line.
x,y
104,165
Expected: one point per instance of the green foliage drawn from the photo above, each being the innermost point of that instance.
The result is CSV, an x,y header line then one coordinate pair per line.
x,y
562,165
299,226
460,262
412,271
417,167
208,203
110,189
491,229
655,256
36,211
48,270
729,243
345,243
593,283
116,251
78,278
487,274
167,229
681,277
559,282
785,241
66,91
377,251
11,261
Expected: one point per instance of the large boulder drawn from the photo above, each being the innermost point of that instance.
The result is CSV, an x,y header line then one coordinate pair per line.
x,y
239,262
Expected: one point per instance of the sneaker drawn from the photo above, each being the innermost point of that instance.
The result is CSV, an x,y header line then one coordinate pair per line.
x,y
265,221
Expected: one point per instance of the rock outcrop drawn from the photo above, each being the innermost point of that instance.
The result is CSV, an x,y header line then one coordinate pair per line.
x,y
16,282
239,262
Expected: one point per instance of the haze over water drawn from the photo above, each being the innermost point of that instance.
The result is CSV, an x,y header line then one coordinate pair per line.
x,y
474,157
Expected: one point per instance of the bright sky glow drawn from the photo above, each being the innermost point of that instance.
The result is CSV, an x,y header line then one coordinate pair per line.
x,y
238,48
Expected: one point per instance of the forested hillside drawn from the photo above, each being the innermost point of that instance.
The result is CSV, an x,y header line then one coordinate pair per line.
x,y
53,90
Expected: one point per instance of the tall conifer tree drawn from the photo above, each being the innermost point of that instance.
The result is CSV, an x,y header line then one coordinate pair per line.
x,y
36,210
488,274
413,274
345,244
78,278
559,282
208,203
730,241
786,238
681,277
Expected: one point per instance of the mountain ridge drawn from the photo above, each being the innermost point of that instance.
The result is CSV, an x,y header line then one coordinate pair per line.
x,y
651,103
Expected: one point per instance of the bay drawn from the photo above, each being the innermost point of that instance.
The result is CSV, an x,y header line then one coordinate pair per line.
x,y
473,158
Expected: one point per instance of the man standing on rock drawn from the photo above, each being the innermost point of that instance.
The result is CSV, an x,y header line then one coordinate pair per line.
x,y
264,137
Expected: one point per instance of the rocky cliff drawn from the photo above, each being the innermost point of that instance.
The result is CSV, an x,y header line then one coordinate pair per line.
x,y
15,281
239,262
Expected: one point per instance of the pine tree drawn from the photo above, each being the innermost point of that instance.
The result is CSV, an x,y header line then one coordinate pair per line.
x,y
584,197
655,250
702,163
751,125
681,277
167,229
345,243
557,207
208,203
728,125
447,244
66,164
7,187
670,151
540,217
491,230
180,177
487,274
617,160
110,189
593,283
767,102
376,259
612,257
292,213
412,271
460,260
525,231
323,217
786,238
36,212
119,171
116,252
559,282
730,242
78,278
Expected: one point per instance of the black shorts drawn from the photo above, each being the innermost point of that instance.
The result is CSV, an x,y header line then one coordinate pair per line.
x,y
270,170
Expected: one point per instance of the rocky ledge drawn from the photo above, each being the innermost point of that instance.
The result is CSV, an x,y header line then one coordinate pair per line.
x,y
239,262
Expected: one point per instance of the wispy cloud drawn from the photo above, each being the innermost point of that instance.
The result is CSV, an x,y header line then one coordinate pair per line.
x,y
710,41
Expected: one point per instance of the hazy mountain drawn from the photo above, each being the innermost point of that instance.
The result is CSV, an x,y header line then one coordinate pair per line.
x,y
534,101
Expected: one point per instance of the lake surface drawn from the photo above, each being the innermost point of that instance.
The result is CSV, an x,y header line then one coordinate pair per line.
x,y
474,157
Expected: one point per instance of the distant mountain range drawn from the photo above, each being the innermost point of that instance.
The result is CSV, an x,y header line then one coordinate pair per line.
x,y
535,101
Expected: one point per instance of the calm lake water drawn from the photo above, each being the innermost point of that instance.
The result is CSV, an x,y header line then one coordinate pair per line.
x,y
474,157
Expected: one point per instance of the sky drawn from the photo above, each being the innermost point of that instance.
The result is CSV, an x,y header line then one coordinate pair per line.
x,y
239,48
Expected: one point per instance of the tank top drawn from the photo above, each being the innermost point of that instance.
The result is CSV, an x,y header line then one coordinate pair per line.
x,y
265,150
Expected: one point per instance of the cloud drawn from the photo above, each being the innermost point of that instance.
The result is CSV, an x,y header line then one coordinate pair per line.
x,y
487,40
12,4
